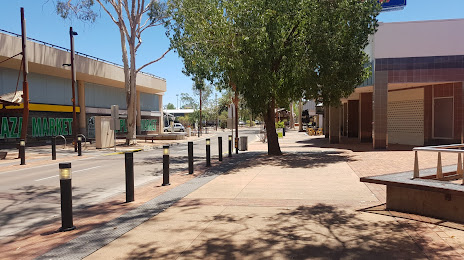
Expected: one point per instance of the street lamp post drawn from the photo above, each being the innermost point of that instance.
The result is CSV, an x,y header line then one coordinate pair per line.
x,y
73,83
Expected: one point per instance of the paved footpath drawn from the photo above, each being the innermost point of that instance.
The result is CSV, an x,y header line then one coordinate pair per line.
x,y
306,204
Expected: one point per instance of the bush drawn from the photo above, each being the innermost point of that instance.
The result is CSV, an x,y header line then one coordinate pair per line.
x,y
280,124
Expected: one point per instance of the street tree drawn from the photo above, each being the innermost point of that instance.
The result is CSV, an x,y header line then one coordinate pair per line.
x,y
170,106
273,52
132,18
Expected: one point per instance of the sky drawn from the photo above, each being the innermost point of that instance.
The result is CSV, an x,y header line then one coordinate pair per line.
x,y
101,38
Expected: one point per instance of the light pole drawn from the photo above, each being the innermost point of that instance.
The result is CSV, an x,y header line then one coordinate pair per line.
x,y
73,80
177,95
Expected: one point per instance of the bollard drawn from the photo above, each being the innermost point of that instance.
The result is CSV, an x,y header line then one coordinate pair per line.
x,y
236,145
208,152
230,146
22,151
190,157
129,163
79,146
66,197
283,131
220,148
53,148
166,165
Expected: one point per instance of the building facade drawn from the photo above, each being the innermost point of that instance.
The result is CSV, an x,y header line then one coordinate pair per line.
x,y
415,95
100,84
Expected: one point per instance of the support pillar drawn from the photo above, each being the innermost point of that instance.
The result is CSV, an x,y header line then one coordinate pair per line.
x,y
138,119
81,100
161,119
325,128
365,117
334,125
380,103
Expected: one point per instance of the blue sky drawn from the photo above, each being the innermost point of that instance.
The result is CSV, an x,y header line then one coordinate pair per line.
x,y
101,39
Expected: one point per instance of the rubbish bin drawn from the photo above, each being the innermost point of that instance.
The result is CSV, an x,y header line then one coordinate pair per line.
x,y
243,143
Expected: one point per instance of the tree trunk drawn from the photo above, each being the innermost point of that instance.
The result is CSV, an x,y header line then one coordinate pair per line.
x,y
131,138
273,147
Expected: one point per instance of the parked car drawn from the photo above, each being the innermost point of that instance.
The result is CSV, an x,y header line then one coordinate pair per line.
x,y
241,123
178,127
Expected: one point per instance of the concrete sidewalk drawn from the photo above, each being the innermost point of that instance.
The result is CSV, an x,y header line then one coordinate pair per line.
x,y
307,203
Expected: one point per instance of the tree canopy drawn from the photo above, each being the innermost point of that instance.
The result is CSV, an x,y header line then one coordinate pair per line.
x,y
273,52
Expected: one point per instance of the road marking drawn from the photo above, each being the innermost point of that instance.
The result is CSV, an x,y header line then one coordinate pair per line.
x,y
88,169
74,172
47,178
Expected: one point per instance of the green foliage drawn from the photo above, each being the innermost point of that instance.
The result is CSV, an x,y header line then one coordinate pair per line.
x,y
170,106
280,124
273,49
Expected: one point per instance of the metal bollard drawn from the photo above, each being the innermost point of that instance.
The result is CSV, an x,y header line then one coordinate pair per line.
x,y
208,152
79,146
283,131
230,146
22,151
66,197
190,157
129,163
166,165
53,148
220,148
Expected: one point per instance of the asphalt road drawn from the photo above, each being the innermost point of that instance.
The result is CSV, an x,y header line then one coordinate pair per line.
x,y
31,197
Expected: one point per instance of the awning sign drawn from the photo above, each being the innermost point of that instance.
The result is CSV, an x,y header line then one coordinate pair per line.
x,y
388,5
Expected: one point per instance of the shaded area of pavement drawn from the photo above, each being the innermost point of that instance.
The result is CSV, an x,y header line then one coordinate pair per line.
x,y
304,204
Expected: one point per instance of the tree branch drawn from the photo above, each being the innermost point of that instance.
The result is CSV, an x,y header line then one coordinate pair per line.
x,y
151,62
108,12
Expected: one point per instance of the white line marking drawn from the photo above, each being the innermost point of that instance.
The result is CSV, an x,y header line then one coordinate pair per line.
x,y
73,172
47,178
87,169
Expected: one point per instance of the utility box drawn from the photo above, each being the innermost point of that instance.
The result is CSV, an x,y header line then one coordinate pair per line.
x,y
104,136
243,143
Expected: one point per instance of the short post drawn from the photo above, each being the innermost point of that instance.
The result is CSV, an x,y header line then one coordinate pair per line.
x,y
166,165
220,148
230,146
283,131
66,197
439,167
208,152
79,146
129,163
459,168
416,166
22,151
190,157
53,148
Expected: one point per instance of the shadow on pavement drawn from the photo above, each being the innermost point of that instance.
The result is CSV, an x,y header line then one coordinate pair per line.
x,y
320,231
351,144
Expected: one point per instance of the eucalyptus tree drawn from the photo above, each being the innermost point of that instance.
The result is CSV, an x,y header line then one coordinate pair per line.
x,y
132,18
273,52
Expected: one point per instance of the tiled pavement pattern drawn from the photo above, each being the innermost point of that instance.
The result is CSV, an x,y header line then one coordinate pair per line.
x,y
305,204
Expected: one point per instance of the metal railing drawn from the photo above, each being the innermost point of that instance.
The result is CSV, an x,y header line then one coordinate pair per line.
x,y
453,148
78,53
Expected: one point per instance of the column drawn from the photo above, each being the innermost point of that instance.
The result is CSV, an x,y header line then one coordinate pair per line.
x,y
139,115
353,118
334,124
365,117
81,102
345,119
325,128
161,119
380,103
